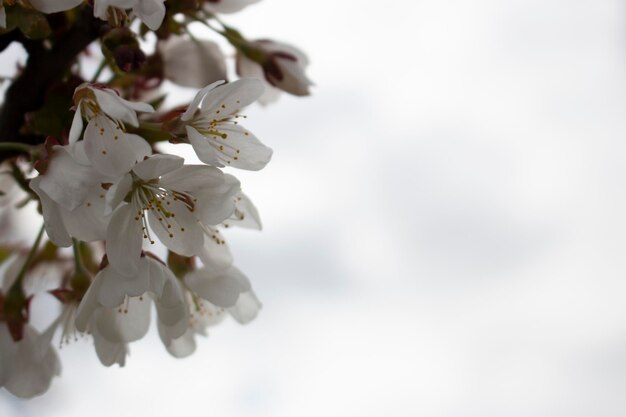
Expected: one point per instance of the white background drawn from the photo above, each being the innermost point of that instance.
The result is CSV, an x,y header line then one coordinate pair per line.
x,y
444,226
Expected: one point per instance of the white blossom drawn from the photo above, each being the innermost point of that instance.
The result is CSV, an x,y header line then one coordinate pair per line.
x,y
211,291
116,308
112,327
213,129
28,366
169,199
72,197
108,147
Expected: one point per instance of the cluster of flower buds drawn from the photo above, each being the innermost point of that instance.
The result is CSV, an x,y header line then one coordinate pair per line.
x,y
128,226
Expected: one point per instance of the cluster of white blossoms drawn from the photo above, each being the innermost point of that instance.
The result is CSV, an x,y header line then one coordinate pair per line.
x,y
107,190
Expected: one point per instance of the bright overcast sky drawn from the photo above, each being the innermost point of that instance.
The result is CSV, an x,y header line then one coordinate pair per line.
x,y
444,226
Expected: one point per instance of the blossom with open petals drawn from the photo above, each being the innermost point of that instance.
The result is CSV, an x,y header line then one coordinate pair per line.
x,y
116,308
212,291
213,129
170,199
108,147
72,197
72,194
218,286
28,366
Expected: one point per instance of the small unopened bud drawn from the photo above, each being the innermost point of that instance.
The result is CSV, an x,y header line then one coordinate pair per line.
x,y
129,59
281,65
121,45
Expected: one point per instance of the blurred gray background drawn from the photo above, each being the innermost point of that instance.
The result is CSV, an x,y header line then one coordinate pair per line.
x,y
444,226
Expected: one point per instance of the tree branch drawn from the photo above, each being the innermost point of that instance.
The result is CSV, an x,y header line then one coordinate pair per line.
x,y
43,68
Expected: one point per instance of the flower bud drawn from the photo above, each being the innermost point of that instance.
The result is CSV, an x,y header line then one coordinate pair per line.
x,y
122,46
129,59
281,65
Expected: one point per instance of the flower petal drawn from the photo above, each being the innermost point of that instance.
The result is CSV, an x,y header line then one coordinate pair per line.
x,y
116,287
124,239
183,346
221,288
177,229
117,193
215,254
170,332
77,125
127,323
216,204
88,222
66,181
118,108
8,347
229,98
36,363
101,6
245,215
53,221
88,305
150,12
193,106
109,352
247,308
157,165
246,68
239,148
112,151
192,178
203,148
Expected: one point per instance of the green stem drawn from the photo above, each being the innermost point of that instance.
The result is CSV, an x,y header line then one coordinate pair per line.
x,y
101,68
18,281
78,260
81,280
152,132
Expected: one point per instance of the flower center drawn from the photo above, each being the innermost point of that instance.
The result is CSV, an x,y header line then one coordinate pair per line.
x,y
214,130
160,201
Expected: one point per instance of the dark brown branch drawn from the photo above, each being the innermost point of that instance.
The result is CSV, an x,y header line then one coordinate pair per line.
x,y
43,68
